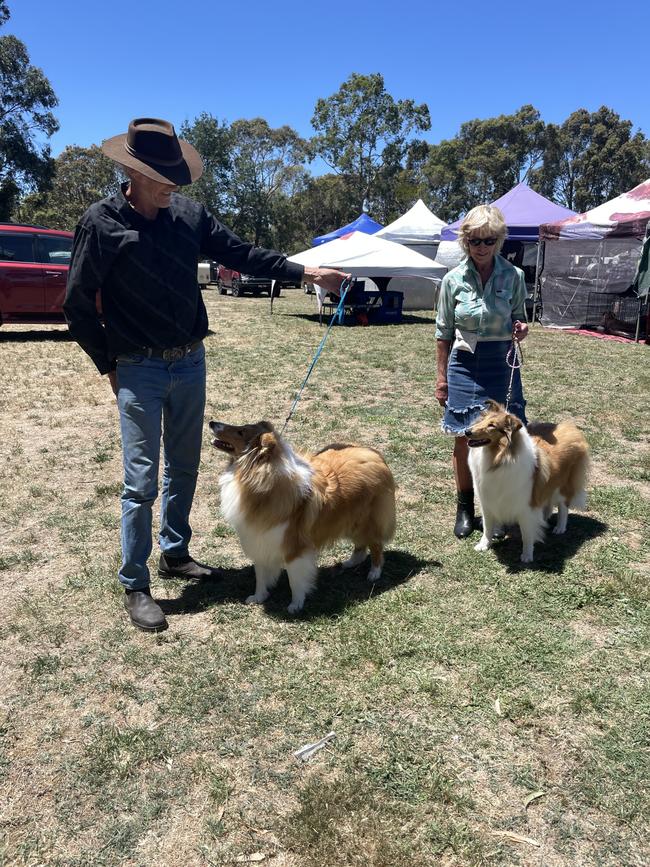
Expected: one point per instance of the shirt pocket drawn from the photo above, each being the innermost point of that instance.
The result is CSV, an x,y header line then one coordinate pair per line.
x,y
503,305
468,313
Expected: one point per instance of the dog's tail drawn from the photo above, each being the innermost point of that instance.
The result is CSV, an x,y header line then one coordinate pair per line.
x,y
578,482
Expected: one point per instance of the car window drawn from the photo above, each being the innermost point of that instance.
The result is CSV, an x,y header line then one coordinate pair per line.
x,y
16,247
55,249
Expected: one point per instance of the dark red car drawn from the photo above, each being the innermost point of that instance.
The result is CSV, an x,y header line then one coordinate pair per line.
x,y
34,264
239,284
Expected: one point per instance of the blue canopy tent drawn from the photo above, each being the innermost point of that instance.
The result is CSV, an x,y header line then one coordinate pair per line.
x,y
362,224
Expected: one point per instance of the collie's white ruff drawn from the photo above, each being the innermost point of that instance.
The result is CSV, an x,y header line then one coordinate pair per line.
x,y
265,547
506,491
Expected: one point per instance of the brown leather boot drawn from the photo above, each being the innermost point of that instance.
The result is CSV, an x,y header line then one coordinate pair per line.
x,y
145,613
464,525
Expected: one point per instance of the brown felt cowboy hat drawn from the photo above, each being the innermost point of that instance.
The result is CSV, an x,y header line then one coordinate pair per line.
x,y
152,148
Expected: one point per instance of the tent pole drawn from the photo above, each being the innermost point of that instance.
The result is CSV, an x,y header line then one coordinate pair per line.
x,y
535,288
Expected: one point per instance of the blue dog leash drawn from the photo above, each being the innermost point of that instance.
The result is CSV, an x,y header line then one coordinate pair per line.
x,y
345,286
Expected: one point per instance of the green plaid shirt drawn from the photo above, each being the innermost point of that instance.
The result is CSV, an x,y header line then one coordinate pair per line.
x,y
489,310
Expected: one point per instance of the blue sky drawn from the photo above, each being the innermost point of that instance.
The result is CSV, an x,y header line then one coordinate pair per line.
x,y
110,61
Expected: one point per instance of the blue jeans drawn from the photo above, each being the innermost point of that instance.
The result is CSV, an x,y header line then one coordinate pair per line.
x,y
156,396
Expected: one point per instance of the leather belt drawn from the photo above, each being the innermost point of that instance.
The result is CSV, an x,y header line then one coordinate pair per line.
x,y
174,353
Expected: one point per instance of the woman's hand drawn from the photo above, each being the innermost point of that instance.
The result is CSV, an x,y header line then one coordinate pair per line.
x,y
520,330
442,391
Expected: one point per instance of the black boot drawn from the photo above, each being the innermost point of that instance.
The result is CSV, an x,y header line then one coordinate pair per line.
x,y
145,613
464,525
187,568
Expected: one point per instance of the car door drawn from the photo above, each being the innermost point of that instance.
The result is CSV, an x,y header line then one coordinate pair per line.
x,y
54,252
21,279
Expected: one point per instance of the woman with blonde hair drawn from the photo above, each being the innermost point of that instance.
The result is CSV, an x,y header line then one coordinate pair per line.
x,y
481,308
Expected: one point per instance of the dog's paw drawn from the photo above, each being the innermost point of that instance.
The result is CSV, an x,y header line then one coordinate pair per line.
x,y
526,557
483,544
374,574
257,598
558,530
295,607
354,560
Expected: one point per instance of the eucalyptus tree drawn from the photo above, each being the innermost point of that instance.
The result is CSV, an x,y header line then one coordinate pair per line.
x,y
483,161
363,133
26,100
251,171
591,158
80,177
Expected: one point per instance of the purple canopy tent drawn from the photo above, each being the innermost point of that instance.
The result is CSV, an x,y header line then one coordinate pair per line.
x,y
524,211
363,223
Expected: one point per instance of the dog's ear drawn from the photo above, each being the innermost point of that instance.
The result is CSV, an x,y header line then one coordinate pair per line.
x,y
268,443
492,405
513,424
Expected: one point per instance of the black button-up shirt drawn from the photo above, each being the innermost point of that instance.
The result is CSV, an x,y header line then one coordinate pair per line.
x,y
146,271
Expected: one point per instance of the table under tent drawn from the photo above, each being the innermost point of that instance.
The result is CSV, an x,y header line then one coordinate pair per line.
x,y
590,263
374,263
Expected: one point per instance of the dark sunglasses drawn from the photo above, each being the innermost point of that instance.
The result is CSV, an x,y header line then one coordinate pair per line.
x,y
476,242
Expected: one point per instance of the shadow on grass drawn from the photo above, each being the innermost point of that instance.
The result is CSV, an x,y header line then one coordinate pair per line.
x,y
551,554
36,333
407,319
336,589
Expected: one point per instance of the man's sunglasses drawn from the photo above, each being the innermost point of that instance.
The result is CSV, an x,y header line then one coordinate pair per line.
x,y
476,242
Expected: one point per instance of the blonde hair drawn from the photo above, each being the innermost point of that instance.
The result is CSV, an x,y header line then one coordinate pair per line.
x,y
486,221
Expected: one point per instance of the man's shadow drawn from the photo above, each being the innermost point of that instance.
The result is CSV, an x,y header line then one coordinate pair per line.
x,y
336,588
35,335
552,554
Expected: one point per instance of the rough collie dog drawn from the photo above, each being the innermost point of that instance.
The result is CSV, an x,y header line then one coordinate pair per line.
x,y
521,474
286,507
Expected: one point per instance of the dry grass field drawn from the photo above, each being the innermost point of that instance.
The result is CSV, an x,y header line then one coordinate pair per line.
x,y
485,713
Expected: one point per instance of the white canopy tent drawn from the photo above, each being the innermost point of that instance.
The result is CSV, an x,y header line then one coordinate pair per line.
x,y
369,256
419,225
419,230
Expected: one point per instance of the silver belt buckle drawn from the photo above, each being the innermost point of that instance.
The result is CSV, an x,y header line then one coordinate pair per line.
x,y
175,353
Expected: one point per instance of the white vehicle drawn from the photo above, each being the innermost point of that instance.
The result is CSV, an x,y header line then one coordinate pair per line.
x,y
206,273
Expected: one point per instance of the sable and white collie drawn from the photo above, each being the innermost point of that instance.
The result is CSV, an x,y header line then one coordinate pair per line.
x,y
521,474
286,507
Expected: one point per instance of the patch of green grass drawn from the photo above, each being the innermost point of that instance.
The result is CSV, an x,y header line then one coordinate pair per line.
x,y
457,685
110,489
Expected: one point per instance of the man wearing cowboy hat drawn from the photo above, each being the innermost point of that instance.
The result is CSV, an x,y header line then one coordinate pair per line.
x,y
140,248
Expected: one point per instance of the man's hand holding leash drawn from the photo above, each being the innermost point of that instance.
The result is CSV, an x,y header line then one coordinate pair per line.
x,y
328,279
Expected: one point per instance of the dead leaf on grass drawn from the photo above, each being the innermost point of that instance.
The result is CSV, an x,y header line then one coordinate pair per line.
x,y
497,708
253,858
516,838
533,797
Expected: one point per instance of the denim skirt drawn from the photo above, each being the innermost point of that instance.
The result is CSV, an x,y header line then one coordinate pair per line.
x,y
473,377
